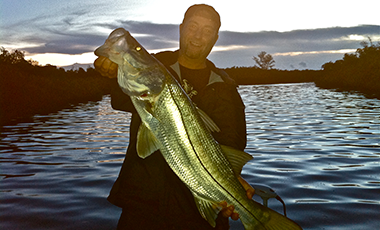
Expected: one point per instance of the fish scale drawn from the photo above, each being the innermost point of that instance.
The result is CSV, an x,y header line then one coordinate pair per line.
x,y
181,116
208,157
173,132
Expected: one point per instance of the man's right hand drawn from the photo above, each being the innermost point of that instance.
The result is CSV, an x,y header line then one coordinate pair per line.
x,y
106,67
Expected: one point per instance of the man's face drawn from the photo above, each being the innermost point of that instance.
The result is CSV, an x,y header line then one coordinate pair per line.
x,y
198,35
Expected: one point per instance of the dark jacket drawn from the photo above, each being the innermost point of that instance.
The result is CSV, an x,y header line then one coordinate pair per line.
x,y
149,184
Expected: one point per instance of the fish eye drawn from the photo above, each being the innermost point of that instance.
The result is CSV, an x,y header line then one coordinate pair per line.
x,y
138,48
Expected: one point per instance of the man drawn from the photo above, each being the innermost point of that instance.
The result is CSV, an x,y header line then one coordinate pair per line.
x,y
151,195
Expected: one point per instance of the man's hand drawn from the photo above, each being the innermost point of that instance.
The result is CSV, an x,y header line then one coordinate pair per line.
x,y
228,211
247,187
106,67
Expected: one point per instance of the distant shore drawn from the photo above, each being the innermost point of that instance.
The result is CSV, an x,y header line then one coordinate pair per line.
x,y
29,90
359,71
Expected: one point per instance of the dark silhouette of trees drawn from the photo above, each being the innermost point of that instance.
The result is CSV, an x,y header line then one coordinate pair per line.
x,y
27,88
264,60
14,57
359,71
255,75
356,71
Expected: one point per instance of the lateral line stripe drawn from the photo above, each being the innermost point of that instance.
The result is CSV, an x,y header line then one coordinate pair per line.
x,y
179,109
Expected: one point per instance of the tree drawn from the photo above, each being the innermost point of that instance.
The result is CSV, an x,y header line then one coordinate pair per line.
x,y
356,71
33,62
264,60
14,57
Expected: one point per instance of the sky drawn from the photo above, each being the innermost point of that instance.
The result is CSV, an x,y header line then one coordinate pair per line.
x,y
298,34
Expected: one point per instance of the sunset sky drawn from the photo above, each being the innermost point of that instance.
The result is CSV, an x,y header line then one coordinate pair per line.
x,y
298,34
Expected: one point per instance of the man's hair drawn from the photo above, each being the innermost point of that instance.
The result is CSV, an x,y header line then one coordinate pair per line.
x,y
212,13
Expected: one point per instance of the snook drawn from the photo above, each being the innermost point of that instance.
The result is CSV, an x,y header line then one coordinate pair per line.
x,y
172,124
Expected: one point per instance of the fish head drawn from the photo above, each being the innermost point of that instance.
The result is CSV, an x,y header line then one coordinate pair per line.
x,y
139,73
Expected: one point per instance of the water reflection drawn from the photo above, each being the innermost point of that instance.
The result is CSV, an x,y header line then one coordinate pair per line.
x,y
322,144
318,149
60,166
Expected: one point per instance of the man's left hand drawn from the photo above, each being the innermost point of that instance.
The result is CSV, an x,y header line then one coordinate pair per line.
x,y
228,211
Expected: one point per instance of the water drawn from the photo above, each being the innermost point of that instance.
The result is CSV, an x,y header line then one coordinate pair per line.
x,y
319,149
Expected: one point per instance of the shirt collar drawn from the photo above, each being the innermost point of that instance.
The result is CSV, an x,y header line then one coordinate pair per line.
x,y
214,77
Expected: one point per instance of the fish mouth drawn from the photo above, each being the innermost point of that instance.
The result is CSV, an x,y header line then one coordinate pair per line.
x,y
102,51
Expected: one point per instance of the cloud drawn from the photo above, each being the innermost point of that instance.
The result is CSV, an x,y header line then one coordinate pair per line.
x,y
302,64
312,47
158,36
68,34
69,38
301,40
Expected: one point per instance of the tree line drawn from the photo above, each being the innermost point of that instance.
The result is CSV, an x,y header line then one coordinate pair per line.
x,y
358,71
264,73
255,75
27,88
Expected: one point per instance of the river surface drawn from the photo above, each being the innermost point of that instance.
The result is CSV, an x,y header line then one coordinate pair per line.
x,y
318,149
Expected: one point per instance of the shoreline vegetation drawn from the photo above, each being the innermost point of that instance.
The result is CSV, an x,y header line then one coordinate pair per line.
x,y
359,71
27,89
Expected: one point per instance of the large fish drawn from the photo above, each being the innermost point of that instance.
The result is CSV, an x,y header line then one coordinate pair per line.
x,y
172,124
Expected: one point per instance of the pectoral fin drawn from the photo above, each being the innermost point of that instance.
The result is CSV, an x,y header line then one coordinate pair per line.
x,y
209,210
147,143
236,158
